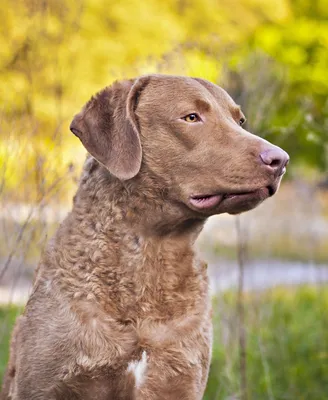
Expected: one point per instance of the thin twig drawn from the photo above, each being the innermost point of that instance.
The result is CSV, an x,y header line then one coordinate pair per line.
x,y
19,237
17,241
241,251
266,370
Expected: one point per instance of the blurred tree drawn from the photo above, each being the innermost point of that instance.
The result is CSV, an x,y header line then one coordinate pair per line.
x,y
54,54
299,46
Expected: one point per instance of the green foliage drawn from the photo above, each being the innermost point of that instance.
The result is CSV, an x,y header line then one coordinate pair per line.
x,y
300,47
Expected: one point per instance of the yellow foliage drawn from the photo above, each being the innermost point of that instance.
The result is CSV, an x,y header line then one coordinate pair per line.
x,y
54,55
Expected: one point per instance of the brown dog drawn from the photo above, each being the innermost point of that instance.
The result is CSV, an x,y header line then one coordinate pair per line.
x,y
120,307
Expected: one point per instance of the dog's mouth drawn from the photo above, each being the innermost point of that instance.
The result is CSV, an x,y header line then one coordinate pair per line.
x,y
232,202
206,201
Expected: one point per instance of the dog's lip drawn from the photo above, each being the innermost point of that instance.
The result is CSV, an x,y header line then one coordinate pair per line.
x,y
206,201
263,191
271,190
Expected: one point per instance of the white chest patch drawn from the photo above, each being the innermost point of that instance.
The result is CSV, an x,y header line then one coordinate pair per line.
x,y
138,369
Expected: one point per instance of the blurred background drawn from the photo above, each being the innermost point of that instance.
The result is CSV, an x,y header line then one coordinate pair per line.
x,y
269,267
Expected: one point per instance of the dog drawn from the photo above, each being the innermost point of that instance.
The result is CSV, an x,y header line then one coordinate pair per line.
x,y
120,306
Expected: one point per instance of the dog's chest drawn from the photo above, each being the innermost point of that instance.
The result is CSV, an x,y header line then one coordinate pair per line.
x,y
158,282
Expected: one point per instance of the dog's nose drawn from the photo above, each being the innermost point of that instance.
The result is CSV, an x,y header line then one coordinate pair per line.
x,y
276,159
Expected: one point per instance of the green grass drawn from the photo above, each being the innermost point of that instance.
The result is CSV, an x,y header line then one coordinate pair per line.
x,y
287,345
8,316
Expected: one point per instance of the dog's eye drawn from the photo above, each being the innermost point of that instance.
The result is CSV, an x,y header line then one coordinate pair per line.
x,y
191,118
242,121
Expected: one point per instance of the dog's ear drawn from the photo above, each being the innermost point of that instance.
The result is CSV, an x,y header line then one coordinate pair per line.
x,y
108,129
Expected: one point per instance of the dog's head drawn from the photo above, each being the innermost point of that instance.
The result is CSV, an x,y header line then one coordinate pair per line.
x,y
186,131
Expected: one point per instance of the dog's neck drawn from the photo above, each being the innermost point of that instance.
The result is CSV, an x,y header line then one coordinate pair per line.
x,y
139,206
109,244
